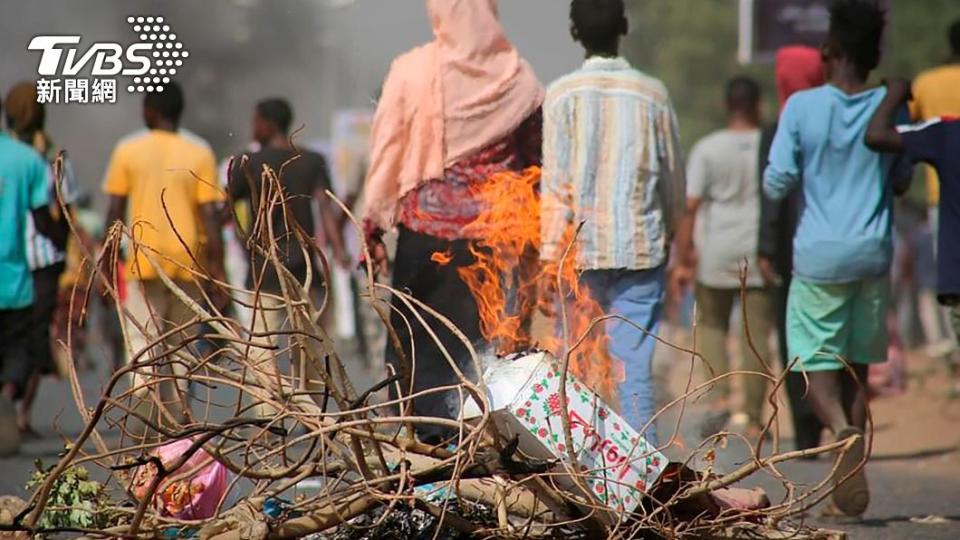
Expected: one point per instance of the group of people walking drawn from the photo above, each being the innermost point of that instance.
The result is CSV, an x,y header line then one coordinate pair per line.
x,y
794,222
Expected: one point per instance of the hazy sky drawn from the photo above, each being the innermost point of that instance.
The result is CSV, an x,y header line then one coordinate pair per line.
x,y
321,58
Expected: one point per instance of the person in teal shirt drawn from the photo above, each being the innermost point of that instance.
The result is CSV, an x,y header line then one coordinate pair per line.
x,y
24,188
843,248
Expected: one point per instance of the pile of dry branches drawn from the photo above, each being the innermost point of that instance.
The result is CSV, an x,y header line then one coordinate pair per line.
x,y
364,457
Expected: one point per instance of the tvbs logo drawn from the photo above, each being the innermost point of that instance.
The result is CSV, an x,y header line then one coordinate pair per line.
x,y
149,63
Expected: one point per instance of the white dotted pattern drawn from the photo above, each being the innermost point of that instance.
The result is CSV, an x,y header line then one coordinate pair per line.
x,y
167,52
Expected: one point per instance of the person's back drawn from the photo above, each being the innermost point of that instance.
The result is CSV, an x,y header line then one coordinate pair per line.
x,y
723,173
844,232
623,154
23,187
166,176
302,174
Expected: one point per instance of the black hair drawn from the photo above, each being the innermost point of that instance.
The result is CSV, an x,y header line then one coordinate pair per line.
x,y
278,111
168,102
856,28
743,94
955,37
598,23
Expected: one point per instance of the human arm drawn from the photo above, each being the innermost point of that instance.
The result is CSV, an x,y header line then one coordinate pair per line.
x,y
672,187
684,267
211,216
684,264
41,207
239,183
773,220
332,230
210,198
784,170
56,231
382,187
116,212
63,193
882,134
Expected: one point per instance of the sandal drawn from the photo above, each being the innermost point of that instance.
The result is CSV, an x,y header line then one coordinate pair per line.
x,y
851,496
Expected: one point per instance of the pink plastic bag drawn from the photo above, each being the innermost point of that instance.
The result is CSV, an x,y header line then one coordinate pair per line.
x,y
193,492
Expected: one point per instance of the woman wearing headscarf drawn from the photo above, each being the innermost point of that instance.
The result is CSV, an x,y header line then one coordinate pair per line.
x,y
452,113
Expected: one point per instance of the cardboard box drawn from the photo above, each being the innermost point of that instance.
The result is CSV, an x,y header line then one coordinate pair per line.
x,y
616,462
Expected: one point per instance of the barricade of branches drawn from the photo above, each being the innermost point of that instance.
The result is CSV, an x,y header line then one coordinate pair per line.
x,y
274,406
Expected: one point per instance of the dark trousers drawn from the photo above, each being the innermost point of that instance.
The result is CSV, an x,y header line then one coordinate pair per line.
x,y
806,425
441,288
15,363
46,285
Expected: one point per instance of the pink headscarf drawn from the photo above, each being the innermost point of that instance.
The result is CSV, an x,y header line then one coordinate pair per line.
x,y
445,101
798,67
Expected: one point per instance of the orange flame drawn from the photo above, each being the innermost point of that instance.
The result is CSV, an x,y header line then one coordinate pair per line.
x,y
442,258
510,285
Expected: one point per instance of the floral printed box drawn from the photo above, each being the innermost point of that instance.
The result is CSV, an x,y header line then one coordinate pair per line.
x,y
617,464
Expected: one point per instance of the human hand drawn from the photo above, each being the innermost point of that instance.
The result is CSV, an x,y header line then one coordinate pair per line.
x,y
680,280
768,272
378,252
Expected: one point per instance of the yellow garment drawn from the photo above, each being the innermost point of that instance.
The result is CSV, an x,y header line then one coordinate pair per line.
x,y
74,270
157,168
936,93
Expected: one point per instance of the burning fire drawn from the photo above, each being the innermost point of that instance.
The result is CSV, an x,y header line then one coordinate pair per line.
x,y
442,258
510,284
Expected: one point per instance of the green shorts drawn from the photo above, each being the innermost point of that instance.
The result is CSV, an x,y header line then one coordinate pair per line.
x,y
826,322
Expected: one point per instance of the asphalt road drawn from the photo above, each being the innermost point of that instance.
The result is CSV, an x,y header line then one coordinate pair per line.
x,y
907,482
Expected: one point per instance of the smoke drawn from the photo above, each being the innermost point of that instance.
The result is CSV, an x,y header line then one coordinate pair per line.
x,y
322,55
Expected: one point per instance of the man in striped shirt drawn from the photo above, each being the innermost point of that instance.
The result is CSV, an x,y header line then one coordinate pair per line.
x,y
612,160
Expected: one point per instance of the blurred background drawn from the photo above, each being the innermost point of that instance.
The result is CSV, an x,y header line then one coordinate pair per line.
x,y
327,55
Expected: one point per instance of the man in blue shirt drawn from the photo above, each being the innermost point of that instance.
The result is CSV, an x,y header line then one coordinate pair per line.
x,y
937,143
23,191
838,301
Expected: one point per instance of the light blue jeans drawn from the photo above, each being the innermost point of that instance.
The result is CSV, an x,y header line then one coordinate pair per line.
x,y
636,295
